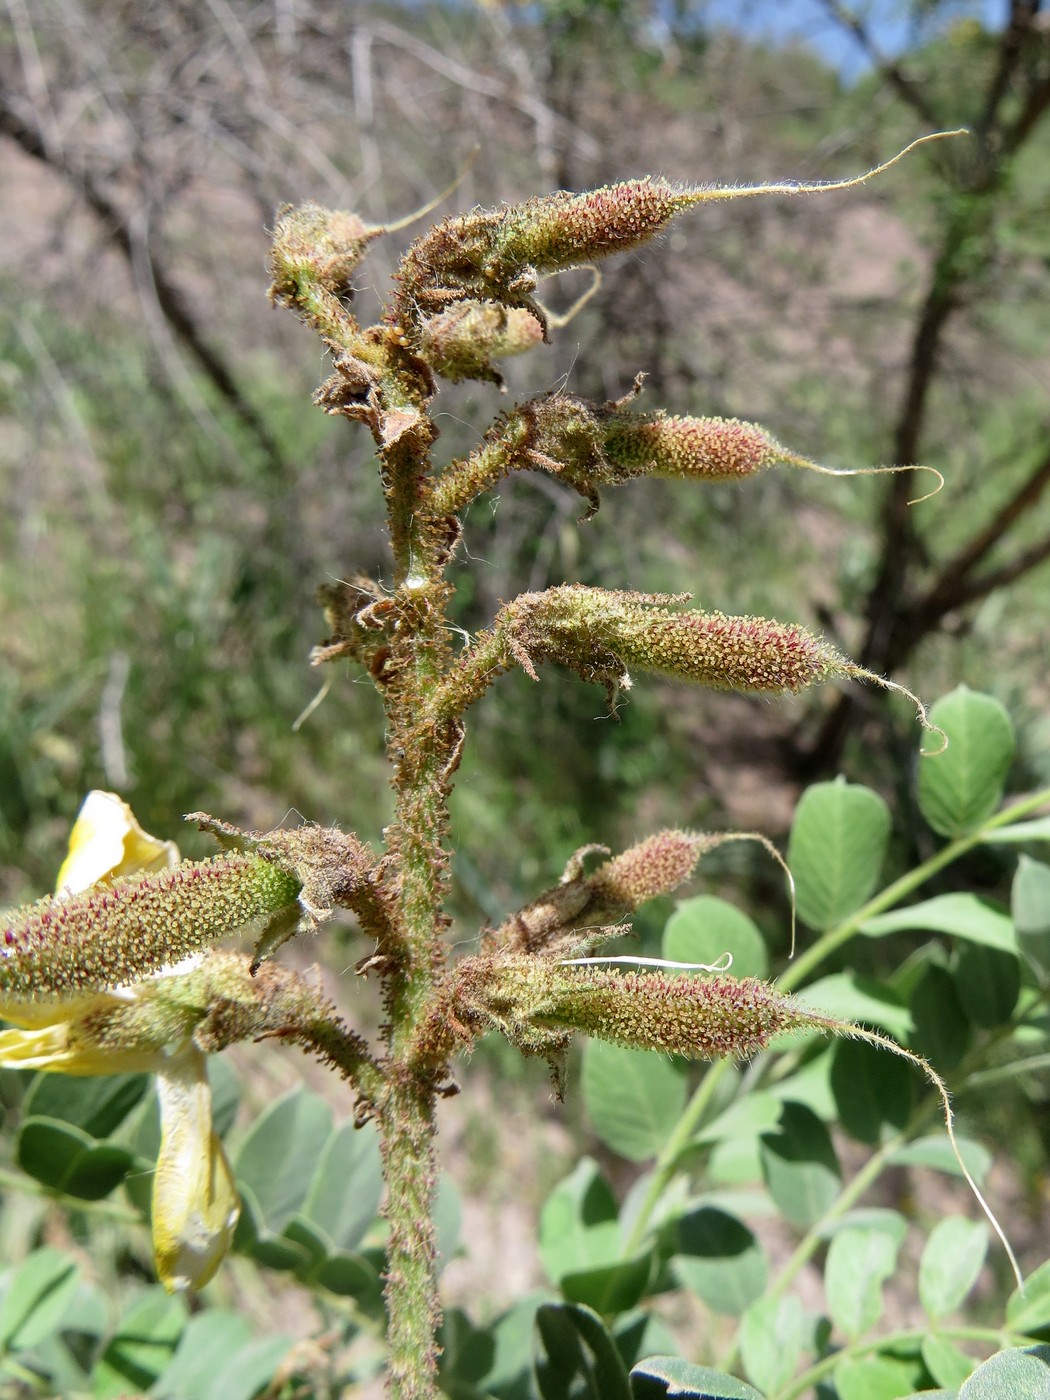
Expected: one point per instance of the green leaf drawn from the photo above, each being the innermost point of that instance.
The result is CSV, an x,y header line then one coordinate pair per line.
x,y
579,1244
1030,897
510,1376
578,1224
248,1371
736,1161
936,1151
225,1093
353,1276
881,1218
810,1084
633,1098
467,1351
670,1376
307,1237
961,787
97,1104
872,1087
142,1346
858,1263
942,1032
988,984
1029,1311
1010,1375
1030,906
639,1334
703,928
610,1288
931,1395
576,1357
278,1157
962,915
345,1193
945,1362
210,1338
65,1158
850,997
37,1298
877,1378
951,1261
835,851
275,1251
719,1259
772,1334
756,1112
799,1165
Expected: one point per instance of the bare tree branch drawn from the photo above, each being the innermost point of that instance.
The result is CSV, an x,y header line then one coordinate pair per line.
x,y
907,89
897,617
170,300
1022,18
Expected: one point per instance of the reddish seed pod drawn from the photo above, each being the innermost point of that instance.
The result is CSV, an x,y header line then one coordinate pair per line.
x,y
689,449
655,866
562,230
735,653
588,628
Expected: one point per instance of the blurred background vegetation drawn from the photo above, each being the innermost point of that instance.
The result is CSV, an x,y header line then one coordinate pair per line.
x,y
169,499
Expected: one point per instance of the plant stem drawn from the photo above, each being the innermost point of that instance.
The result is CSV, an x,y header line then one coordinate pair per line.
x,y
407,1139
423,756
667,1162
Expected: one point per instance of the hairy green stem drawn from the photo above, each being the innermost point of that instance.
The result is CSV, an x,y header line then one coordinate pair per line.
x,y
406,1124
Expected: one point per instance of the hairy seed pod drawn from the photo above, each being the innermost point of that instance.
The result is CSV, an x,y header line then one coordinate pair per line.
x,y
690,449
578,626
655,866
756,654
562,230
116,935
535,1002
700,1017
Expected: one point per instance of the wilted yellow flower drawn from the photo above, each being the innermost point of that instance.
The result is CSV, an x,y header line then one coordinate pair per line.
x,y
195,1202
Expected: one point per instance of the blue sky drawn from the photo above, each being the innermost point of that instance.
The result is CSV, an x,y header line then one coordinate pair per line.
x,y
808,20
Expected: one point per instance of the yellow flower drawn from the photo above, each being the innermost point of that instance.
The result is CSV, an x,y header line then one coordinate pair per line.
x,y
195,1202
107,841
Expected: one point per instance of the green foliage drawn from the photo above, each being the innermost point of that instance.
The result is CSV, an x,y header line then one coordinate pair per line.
x,y
838,842
681,1226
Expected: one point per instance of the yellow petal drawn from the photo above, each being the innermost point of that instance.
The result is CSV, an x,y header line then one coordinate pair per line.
x,y
107,841
195,1202
60,1049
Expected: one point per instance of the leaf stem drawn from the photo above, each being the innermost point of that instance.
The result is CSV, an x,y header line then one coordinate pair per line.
x,y
907,1338
667,1162
834,938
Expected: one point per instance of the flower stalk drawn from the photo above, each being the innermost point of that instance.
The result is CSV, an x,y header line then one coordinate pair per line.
x,y
100,976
